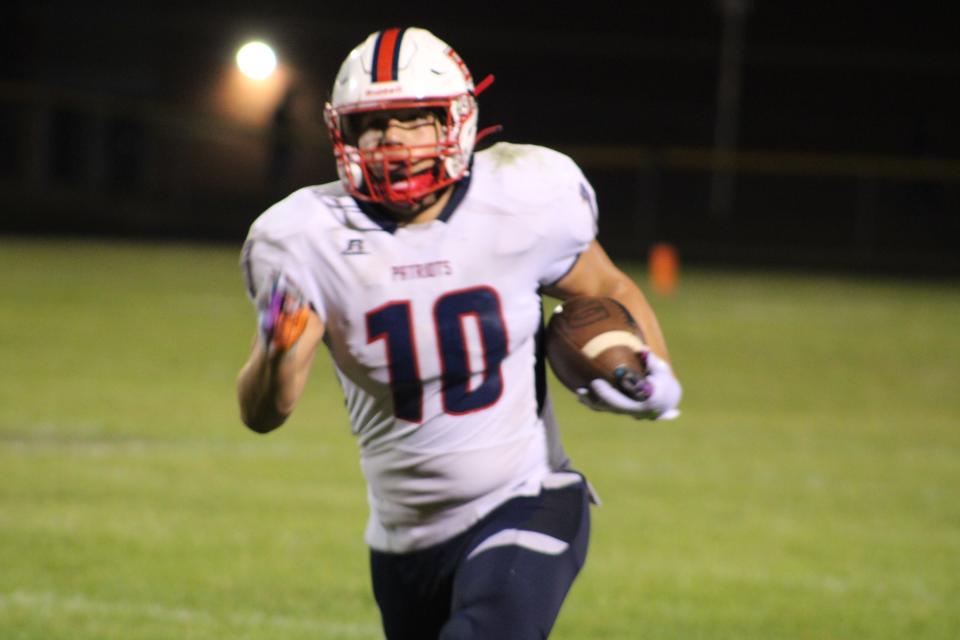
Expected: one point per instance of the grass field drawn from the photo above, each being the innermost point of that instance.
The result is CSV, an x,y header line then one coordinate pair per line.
x,y
811,488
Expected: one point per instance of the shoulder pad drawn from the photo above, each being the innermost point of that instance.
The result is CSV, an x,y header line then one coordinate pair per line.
x,y
527,173
303,208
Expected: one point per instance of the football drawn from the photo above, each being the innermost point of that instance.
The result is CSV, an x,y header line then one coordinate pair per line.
x,y
595,337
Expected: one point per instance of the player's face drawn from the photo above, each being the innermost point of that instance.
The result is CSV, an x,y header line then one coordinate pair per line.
x,y
401,149
399,136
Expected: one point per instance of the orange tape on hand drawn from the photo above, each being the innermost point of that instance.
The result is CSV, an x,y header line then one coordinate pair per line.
x,y
288,329
283,316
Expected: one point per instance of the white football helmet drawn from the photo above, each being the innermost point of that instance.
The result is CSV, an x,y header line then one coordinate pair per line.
x,y
402,69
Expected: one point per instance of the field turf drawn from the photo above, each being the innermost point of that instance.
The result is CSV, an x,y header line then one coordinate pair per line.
x,y
811,488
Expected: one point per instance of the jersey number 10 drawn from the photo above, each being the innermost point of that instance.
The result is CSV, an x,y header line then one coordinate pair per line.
x,y
393,323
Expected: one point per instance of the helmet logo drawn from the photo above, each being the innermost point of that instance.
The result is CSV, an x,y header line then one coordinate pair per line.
x,y
382,91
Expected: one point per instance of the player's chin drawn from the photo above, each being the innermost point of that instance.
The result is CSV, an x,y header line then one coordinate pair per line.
x,y
410,193
404,210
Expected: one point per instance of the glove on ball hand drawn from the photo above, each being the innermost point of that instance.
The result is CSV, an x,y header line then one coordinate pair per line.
x,y
283,314
654,397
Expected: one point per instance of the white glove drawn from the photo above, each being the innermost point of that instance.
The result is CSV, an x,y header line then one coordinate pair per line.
x,y
657,397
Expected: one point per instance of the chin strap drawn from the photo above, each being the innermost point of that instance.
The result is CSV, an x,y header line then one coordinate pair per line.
x,y
496,128
484,84
486,131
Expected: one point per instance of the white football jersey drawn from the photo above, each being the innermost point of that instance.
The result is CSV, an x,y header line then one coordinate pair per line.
x,y
435,332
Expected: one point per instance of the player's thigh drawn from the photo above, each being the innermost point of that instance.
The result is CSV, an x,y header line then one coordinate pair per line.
x,y
513,583
413,592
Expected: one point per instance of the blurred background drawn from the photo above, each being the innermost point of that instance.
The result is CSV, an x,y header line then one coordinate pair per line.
x,y
812,134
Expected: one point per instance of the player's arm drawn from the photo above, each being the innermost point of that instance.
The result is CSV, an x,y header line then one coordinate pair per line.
x,y
594,274
273,378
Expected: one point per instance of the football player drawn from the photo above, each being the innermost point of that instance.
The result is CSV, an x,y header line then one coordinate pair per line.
x,y
421,270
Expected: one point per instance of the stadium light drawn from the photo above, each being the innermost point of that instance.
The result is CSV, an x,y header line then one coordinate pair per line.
x,y
252,83
256,60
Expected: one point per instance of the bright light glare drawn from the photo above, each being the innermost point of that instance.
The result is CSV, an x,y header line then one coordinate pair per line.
x,y
256,60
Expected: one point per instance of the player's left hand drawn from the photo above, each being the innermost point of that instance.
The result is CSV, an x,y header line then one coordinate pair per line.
x,y
283,314
656,398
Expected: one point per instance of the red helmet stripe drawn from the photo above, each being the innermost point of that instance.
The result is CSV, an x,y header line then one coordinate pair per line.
x,y
386,54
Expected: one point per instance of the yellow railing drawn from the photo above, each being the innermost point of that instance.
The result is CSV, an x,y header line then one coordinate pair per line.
x,y
775,162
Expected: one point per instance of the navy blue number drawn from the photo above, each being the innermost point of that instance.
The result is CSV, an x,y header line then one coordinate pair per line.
x,y
449,312
393,323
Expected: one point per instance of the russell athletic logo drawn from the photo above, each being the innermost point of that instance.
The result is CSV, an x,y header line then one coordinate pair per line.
x,y
354,247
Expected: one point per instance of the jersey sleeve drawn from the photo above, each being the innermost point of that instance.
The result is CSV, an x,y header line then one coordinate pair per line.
x,y
569,223
270,253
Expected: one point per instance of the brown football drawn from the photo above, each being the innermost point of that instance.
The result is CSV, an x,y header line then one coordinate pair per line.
x,y
594,337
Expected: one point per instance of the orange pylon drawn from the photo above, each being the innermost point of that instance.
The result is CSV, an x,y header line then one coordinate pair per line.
x,y
664,268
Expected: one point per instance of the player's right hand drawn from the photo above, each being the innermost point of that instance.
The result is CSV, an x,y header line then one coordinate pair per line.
x,y
283,314
656,397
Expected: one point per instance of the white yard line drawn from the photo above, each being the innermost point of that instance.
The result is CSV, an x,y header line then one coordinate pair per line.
x,y
49,603
103,445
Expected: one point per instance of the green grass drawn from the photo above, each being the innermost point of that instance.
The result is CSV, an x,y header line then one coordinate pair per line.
x,y
811,488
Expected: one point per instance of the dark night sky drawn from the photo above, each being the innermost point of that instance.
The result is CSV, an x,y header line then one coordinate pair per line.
x,y
845,77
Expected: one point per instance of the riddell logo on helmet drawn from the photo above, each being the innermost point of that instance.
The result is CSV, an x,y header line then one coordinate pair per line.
x,y
383,91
